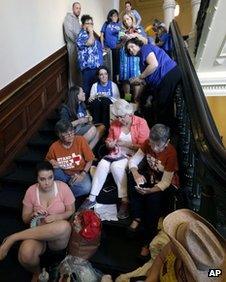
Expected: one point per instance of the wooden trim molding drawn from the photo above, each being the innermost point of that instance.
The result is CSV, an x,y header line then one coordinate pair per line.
x,y
26,103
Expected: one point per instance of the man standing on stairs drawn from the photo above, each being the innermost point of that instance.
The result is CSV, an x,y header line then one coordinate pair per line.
x,y
71,30
71,158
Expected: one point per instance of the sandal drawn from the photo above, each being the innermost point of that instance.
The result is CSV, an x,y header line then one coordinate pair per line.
x,y
145,254
134,226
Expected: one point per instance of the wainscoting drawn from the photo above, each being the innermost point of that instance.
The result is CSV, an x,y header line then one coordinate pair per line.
x,y
26,103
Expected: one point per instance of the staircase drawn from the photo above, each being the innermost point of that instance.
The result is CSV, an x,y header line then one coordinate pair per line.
x,y
116,254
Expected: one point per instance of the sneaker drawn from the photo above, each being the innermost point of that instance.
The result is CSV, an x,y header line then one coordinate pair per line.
x,y
87,205
123,211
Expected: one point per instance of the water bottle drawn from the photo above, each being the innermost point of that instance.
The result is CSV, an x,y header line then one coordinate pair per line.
x,y
44,276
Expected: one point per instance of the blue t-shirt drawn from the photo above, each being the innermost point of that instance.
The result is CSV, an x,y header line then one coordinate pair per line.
x,y
110,31
166,38
88,56
105,89
66,114
81,111
165,63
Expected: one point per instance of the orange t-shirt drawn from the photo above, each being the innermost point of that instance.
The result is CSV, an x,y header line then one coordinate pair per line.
x,y
162,161
73,159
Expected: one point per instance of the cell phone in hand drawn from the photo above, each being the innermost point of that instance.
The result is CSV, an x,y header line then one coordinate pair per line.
x,y
141,186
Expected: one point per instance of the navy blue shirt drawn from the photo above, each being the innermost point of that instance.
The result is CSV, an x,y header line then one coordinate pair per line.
x,y
66,114
165,63
166,39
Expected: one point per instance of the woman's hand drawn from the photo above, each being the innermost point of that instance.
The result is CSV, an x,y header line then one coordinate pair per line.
x,y
51,218
111,144
124,144
54,163
139,178
77,177
146,191
83,120
38,212
136,80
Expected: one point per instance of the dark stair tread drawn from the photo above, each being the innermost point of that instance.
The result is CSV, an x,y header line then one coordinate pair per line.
x,y
48,127
31,156
24,176
117,254
11,198
121,223
40,140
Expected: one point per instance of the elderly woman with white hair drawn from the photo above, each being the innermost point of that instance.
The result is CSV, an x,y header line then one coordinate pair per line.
x,y
126,135
149,183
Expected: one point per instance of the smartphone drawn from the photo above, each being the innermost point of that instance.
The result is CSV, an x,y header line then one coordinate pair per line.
x,y
138,187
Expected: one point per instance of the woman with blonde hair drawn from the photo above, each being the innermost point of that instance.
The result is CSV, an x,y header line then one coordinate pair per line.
x,y
129,66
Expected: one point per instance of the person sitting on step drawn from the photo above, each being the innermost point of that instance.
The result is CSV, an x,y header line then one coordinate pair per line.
x,y
126,135
103,93
71,158
150,185
46,206
75,111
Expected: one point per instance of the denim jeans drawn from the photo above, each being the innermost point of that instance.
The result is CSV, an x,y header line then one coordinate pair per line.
x,y
88,77
79,188
149,208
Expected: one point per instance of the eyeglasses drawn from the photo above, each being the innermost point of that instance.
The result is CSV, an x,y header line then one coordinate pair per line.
x,y
121,116
67,134
89,23
158,146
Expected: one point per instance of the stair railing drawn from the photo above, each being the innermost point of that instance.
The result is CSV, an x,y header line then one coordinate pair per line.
x,y
201,152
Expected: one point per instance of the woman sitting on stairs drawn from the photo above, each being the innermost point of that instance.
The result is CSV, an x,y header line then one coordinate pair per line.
x,y
46,207
126,135
74,110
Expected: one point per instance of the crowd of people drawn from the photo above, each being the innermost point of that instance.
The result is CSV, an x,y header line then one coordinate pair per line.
x,y
140,157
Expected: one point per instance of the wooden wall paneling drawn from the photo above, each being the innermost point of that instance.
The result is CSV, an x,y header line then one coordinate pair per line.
x,y
14,129
35,106
26,103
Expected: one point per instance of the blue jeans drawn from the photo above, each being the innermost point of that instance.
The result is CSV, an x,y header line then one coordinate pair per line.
x,y
79,188
88,78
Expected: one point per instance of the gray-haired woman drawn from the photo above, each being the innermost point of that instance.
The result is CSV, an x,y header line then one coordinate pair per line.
x,y
148,183
126,135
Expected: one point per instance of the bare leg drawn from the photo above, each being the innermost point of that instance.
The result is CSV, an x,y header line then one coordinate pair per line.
x,y
29,255
138,89
126,87
48,232
90,134
99,133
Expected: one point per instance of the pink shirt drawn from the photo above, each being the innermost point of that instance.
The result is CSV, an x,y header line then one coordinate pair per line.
x,y
62,198
139,130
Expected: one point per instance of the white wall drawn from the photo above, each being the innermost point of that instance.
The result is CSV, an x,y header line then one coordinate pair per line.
x,y
98,9
31,30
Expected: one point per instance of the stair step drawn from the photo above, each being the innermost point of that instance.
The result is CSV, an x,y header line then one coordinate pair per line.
x,y
48,128
11,199
21,176
41,141
54,117
116,254
31,157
